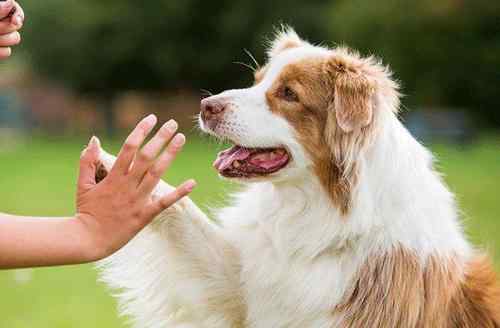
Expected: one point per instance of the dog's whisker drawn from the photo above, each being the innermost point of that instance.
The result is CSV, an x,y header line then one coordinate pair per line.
x,y
249,54
205,93
253,69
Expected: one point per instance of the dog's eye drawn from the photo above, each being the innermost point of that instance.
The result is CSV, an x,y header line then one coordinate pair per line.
x,y
288,94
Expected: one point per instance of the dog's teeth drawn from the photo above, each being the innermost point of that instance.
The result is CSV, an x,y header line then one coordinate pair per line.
x,y
236,164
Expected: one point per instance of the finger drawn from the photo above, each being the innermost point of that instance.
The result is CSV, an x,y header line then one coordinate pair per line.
x,y
155,172
5,52
7,26
18,16
132,144
146,156
6,8
163,203
10,39
88,160
13,21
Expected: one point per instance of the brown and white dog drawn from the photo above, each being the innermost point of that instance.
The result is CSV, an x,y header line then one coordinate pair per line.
x,y
344,221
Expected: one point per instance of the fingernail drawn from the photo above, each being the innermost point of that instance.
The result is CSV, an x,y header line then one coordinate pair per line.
x,y
190,185
94,141
171,125
179,139
150,119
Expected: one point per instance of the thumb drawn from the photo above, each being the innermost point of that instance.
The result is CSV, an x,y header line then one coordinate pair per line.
x,y
88,167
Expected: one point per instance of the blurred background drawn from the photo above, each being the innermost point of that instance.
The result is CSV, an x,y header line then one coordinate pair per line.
x,y
97,67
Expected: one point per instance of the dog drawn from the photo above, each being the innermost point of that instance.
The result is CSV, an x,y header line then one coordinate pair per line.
x,y
343,222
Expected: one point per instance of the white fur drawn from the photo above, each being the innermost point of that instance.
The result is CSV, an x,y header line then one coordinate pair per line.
x,y
295,255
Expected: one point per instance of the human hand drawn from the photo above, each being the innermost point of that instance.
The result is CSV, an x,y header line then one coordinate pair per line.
x,y
11,21
113,211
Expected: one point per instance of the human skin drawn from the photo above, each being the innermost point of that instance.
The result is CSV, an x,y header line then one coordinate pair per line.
x,y
12,20
108,213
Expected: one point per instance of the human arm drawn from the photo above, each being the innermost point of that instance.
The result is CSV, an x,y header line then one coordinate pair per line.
x,y
108,214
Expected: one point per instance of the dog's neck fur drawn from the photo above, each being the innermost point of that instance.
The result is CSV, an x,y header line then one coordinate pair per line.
x,y
396,180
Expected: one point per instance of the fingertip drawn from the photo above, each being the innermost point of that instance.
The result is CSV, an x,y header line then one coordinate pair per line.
x,y
171,125
93,141
17,20
146,125
179,140
98,141
92,149
150,120
94,144
189,185
5,52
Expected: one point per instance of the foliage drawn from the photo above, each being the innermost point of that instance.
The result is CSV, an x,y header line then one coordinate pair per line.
x,y
447,53
102,46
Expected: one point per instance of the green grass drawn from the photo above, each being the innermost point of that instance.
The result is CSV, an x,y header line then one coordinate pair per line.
x,y
38,178
473,174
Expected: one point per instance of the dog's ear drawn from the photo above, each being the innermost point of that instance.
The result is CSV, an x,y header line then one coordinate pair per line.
x,y
285,38
352,95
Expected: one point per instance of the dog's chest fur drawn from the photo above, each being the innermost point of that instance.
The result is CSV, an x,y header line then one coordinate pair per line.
x,y
282,293
283,283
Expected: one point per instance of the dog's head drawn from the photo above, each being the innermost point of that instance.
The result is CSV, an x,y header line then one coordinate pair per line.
x,y
310,109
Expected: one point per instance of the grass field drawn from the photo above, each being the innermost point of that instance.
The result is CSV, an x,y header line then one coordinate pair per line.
x,y
37,178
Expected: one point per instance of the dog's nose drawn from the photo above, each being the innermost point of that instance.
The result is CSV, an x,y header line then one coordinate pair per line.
x,y
212,106
212,110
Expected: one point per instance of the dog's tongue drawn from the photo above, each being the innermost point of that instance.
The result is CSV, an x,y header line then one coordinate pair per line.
x,y
227,157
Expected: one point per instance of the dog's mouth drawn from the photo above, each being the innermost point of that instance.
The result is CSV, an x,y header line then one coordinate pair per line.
x,y
243,162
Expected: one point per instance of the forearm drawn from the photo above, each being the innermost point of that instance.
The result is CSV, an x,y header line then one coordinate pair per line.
x,y
32,241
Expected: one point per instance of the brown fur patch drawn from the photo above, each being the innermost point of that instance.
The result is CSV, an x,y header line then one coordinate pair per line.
x,y
477,303
353,96
314,117
308,116
396,290
287,44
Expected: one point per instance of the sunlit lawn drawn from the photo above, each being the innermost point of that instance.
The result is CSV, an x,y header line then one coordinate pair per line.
x,y
37,178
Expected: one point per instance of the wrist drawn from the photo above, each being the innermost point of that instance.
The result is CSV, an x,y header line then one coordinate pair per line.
x,y
90,248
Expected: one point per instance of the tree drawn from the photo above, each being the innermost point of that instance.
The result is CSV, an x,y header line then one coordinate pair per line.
x,y
446,53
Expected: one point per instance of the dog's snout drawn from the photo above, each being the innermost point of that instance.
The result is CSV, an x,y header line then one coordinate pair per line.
x,y
212,110
212,106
